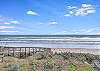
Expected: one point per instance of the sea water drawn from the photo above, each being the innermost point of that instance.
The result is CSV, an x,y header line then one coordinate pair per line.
x,y
51,41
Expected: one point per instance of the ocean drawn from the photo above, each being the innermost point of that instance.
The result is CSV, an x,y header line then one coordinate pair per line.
x,y
51,41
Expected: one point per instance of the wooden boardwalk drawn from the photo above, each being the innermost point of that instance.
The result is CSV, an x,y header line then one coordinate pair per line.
x,y
29,51
26,51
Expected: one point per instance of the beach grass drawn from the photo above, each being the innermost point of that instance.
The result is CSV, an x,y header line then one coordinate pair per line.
x,y
50,62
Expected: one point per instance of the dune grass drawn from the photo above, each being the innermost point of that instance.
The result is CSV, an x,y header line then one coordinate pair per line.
x,y
50,62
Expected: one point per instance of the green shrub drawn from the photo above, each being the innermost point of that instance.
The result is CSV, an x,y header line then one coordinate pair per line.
x,y
14,68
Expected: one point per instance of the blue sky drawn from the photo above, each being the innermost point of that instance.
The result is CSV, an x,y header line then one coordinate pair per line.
x,y
35,17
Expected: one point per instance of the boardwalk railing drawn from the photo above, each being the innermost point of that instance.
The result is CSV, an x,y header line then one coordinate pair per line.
x,y
20,51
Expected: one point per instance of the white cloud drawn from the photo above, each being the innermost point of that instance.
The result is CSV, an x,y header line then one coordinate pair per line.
x,y
7,23
97,33
67,15
76,32
91,11
4,20
10,22
71,7
85,9
6,27
8,31
32,13
89,31
71,12
14,22
53,22
40,23
48,23
86,5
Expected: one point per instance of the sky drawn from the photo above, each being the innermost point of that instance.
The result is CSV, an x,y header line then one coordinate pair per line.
x,y
49,17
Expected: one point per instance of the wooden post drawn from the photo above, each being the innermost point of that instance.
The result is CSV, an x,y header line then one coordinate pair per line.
x,y
2,54
38,49
2,59
8,51
29,51
20,52
13,51
33,51
25,52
